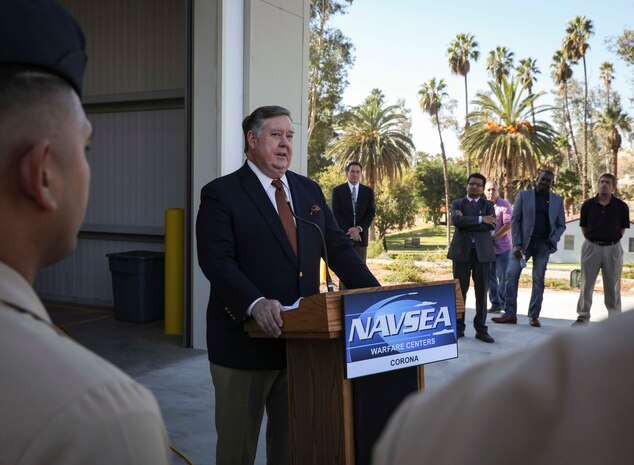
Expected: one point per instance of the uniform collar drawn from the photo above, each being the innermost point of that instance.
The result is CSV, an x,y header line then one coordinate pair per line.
x,y
17,292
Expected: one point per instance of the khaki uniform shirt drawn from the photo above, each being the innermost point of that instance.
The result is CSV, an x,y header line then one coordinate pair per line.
x,y
62,404
568,401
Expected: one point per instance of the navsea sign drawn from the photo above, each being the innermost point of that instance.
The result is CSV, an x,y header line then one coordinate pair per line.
x,y
398,328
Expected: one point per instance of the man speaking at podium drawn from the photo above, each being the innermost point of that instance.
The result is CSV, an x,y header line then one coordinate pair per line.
x,y
258,258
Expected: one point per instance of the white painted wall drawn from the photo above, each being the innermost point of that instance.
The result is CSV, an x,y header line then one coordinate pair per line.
x,y
573,256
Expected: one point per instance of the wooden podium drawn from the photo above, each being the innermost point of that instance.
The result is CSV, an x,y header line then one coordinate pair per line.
x,y
333,420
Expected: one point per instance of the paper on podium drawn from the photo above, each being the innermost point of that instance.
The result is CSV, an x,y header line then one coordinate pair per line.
x,y
293,306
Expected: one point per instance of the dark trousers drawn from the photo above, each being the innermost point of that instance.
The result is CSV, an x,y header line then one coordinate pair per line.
x,y
362,252
463,271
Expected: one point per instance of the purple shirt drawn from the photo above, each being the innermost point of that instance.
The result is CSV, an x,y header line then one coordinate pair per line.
x,y
503,213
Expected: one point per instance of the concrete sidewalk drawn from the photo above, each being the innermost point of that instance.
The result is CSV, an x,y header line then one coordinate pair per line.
x,y
185,394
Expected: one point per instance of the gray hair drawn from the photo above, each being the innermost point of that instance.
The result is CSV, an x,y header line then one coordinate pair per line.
x,y
255,121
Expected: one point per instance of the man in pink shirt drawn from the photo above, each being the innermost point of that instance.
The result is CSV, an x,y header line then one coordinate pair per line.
x,y
501,245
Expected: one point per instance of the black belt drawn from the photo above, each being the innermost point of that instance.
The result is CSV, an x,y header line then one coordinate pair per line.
x,y
603,243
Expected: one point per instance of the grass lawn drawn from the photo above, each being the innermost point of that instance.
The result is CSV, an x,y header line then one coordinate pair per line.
x,y
431,238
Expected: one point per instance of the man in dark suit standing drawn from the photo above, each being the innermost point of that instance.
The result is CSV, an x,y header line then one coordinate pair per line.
x,y
259,259
472,249
354,208
536,226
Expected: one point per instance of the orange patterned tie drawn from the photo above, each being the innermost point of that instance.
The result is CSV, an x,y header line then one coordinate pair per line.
x,y
285,213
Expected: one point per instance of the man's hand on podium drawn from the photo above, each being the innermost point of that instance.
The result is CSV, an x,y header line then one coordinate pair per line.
x,y
267,314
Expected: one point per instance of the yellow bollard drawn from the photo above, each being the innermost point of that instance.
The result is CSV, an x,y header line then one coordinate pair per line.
x,y
322,271
174,270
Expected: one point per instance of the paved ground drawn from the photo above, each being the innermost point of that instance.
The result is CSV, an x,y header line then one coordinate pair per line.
x,y
558,313
180,377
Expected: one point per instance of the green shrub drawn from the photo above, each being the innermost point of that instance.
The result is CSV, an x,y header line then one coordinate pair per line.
x,y
526,280
628,273
438,255
375,248
403,270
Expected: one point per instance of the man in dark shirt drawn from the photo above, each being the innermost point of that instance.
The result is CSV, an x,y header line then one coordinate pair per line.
x,y
537,225
604,219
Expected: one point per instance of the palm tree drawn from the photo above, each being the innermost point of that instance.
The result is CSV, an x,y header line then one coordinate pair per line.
x,y
460,51
563,147
528,71
431,95
500,63
501,135
613,119
562,73
568,187
606,72
373,136
574,48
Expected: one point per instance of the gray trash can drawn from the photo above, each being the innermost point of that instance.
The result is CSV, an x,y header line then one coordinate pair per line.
x,y
575,277
138,283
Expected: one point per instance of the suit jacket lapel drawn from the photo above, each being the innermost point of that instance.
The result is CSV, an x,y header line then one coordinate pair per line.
x,y
346,201
473,210
253,187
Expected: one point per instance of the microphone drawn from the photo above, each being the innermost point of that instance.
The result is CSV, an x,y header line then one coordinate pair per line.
x,y
323,244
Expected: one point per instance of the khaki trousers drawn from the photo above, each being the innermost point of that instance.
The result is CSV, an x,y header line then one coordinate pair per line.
x,y
241,397
608,259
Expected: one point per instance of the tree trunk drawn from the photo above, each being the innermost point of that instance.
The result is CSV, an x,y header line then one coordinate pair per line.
x,y
572,132
466,119
445,175
568,149
584,170
312,93
372,230
508,179
530,94
614,162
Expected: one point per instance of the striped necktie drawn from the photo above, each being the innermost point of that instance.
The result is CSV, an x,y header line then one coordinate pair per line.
x,y
354,205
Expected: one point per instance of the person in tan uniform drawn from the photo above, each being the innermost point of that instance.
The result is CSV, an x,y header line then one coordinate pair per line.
x,y
566,401
60,404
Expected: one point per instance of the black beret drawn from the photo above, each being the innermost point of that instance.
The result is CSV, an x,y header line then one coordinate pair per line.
x,y
43,34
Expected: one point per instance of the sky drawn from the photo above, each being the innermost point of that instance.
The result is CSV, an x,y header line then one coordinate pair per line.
x,y
400,44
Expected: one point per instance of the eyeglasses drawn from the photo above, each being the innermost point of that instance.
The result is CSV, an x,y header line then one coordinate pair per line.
x,y
475,184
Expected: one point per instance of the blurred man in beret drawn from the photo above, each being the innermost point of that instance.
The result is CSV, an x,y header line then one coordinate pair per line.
x,y
59,403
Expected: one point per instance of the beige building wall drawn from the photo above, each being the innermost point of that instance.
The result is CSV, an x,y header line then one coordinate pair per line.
x,y
276,62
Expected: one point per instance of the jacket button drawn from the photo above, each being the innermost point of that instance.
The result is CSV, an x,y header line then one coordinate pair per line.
x,y
301,274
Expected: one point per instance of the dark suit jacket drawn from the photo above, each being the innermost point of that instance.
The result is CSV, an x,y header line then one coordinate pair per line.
x,y
467,227
342,208
245,253
523,220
